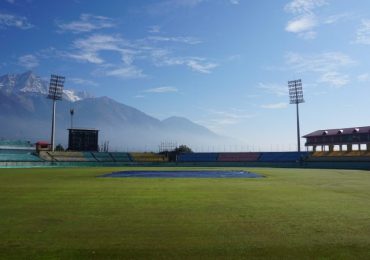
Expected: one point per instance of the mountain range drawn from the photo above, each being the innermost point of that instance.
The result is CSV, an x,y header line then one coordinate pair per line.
x,y
25,113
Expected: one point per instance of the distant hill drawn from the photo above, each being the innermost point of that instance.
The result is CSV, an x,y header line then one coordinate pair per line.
x,y
25,113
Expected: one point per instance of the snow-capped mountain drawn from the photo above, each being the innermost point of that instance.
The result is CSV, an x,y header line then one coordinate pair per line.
x,y
28,82
73,96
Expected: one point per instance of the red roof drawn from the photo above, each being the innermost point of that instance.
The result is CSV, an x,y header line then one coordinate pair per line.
x,y
42,143
338,131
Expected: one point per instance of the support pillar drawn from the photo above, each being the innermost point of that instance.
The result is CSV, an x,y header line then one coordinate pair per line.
x,y
349,147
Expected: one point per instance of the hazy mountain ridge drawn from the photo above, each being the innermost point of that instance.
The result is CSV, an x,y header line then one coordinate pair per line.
x,y
27,111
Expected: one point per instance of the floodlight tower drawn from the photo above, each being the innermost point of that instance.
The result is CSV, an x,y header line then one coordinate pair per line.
x,y
55,93
296,97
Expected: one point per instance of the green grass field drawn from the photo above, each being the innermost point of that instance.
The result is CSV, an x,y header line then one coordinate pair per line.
x,y
292,213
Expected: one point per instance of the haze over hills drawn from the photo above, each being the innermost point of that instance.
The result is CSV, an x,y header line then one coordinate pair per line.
x,y
26,113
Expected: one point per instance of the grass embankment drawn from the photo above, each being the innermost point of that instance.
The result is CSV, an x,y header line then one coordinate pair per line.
x,y
69,213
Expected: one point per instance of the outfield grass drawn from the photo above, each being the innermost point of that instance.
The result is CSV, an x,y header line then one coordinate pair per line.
x,y
69,213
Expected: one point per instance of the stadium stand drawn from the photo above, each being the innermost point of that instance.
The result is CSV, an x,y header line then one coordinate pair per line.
x,y
282,156
120,157
198,157
238,157
71,156
337,156
17,151
14,144
89,157
102,157
8,155
148,157
318,154
339,153
68,156
45,156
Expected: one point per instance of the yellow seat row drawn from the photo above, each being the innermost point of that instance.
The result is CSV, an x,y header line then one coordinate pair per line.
x,y
148,157
342,153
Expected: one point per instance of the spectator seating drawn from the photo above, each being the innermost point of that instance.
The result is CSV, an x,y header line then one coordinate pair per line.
x,y
282,156
89,157
103,157
318,154
18,156
15,143
70,156
198,157
120,157
340,156
238,157
148,157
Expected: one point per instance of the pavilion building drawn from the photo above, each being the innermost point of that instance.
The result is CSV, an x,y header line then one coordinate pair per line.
x,y
342,139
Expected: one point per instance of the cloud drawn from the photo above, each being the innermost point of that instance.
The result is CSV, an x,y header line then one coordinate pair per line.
x,y
129,72
217,120
87,23
302,24
337,17
303,6
234,2
86,57
327,65
304,20
227,117
161,90
322,62
80,81
154,29
11,1
334,79
184,3
88,49
161,7
163,58
363,33
274,89
92,49
28,61
275,106
179,39
20,22
363,77
198,65
169,5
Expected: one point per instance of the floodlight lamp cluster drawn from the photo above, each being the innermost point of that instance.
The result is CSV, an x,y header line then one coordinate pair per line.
x,y
56,87
295,91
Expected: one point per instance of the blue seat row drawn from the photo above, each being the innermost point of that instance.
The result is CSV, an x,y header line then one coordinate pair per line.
x,y
19,157
198,157
258,157
282,156
121,157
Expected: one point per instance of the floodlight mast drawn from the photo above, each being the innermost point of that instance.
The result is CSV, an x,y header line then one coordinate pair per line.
x,y
55,93
296,97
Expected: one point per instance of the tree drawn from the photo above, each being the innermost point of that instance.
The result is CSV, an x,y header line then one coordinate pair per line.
x,y
183,149
59,148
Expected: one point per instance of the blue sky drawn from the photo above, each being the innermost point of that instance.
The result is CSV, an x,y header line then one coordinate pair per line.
x,y
221,63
